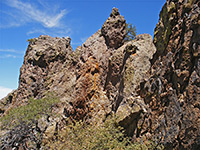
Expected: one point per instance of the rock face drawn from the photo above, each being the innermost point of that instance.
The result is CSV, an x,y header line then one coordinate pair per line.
x,y
45,59
46,68
152,89
114,29
172,90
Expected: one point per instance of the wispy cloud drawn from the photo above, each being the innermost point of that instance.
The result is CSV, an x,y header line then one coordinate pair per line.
x,y
33,31
11,53
9,56
25,12
4,92
61,32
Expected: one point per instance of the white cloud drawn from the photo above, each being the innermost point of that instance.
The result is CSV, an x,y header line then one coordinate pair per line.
x,y
27,12
61,32
11,51
33,31
4,92
10,24
8,56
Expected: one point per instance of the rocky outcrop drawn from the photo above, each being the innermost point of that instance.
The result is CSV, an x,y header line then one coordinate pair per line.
x,y
107,75
89,98
43,68
48,67
172,91
91,82
127,68
114,29
152,87
77,77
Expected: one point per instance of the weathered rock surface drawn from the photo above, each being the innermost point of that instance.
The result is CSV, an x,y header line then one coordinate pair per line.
x,y
114,29
47,67
172,91
152,89
127,68
43,68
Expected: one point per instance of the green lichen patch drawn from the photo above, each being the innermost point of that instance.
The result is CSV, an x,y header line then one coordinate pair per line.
x,y
128,76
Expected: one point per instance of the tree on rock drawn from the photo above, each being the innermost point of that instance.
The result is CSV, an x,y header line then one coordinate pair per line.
x,y
130,32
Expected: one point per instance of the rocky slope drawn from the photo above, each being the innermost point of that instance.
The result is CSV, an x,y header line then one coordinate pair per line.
x,y
152,86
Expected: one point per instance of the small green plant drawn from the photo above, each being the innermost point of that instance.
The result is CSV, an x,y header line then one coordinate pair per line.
x,y
27,113
130,32
31,40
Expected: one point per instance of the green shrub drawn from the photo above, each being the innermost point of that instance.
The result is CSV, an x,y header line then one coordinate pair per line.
x,y
75,136
107,136
31,40
27,113
130,32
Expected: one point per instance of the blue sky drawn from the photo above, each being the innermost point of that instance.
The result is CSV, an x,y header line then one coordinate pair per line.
x,y
24,19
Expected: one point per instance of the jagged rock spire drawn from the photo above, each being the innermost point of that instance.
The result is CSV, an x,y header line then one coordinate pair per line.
x,y
114,29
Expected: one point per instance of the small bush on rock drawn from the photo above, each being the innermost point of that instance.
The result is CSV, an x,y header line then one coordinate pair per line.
x,y
21,124
27,113
106,136
130,32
